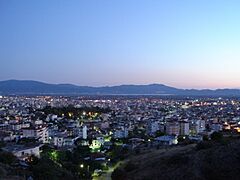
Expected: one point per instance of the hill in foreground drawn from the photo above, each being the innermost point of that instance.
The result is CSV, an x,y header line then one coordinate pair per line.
x,y
209,161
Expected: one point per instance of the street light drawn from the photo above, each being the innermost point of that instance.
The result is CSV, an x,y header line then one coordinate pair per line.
x,y
81,166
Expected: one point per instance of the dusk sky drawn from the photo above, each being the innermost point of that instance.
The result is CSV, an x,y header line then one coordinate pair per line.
x,y
181,43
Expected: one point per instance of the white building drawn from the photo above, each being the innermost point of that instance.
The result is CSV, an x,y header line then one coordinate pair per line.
x,y
69,141
38,132
23,152
38,122
202,126
84,132
197,126
58,141
152,127
216,127
172,128
120,133
184,128
197,138
167,140
63,141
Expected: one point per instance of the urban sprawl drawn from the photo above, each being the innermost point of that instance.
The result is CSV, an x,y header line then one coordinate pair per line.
x,y
90,136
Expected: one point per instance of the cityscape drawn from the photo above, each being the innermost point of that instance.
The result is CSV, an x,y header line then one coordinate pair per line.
x,y
89,137
119,90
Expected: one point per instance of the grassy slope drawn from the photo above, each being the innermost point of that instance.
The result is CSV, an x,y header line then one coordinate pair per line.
x,y
218,161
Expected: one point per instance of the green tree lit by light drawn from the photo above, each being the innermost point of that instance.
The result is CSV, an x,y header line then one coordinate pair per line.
x,y
54,155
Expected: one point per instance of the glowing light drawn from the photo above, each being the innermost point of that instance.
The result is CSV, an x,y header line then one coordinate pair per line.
x,y
70,114
238,129
81,166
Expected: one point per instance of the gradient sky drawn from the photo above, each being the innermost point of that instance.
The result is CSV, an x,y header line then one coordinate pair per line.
x,y
182,43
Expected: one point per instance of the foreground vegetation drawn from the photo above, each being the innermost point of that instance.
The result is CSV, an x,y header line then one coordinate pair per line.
x,y
218,159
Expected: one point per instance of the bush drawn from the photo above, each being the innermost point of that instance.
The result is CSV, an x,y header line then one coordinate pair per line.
x,y
7,158
130,167
204,145
118,174
216,136
47,169
177,159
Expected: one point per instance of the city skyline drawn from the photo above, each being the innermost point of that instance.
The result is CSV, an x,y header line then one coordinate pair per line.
x,y
187,44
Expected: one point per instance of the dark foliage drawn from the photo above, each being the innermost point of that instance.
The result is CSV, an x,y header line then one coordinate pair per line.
x,y
47,169
7,158
210,160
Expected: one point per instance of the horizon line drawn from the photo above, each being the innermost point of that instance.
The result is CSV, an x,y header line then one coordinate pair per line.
x,y
123,84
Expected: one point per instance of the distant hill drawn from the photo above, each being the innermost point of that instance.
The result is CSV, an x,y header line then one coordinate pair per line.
x,y
27,87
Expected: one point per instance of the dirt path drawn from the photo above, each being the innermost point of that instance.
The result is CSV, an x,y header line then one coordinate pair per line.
x,y
107,174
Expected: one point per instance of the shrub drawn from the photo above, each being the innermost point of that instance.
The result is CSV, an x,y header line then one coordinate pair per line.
x,y
118,174
130,167
7,158
204,145
216,136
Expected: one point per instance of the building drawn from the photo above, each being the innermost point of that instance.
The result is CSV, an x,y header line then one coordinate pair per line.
x,y
23,152
184,128
172,128
84,132
166,140
197,126
97,143
120,133
58,140
202,126
216,127
62,140
152,127
196,138
37,132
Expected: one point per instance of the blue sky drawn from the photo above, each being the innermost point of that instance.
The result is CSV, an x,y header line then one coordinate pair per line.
x,y
187,43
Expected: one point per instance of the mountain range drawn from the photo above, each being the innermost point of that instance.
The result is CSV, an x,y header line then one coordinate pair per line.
x,y
28,87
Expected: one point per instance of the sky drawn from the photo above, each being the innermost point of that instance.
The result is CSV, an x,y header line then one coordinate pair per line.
x,y
181,43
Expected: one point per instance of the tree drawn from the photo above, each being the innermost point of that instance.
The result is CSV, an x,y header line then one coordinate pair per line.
x,y
216,136
48,169
81,152
159,133
7,158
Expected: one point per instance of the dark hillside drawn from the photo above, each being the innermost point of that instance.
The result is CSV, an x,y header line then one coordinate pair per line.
x,y
214,161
